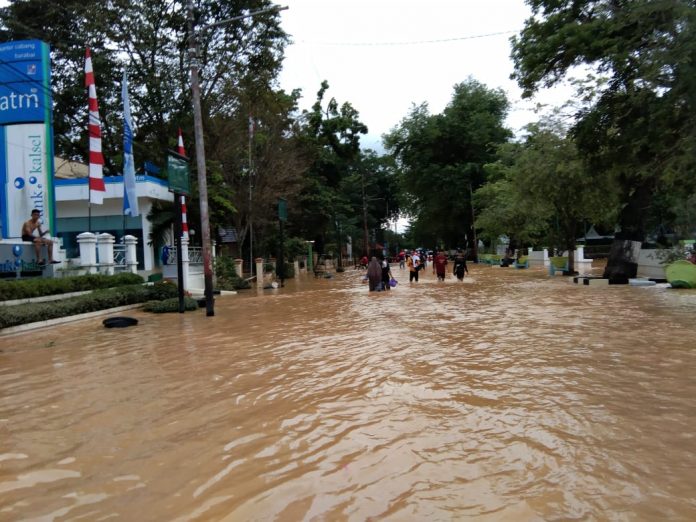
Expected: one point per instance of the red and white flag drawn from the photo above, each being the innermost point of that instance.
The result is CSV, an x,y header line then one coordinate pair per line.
x,y
96,159
184,225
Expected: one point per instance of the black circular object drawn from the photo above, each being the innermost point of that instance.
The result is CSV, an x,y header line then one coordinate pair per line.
x,y
119,322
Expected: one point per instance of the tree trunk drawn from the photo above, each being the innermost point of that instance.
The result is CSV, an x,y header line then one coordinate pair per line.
x,y
625,249
571,260
472,243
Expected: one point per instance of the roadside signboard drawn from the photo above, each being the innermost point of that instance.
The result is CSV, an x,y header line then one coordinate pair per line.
x,y
178,173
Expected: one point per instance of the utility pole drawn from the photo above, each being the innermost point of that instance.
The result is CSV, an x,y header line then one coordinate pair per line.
x,y
200,164
474,242
251,223
200,145
366,247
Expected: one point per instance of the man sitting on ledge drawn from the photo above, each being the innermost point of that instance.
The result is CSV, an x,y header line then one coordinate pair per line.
x,y
28,229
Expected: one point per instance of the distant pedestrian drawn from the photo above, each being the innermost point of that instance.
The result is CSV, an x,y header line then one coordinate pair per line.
x,y
460,265
412,269
440,265
402,260
417,262
374,274
363,262
386,274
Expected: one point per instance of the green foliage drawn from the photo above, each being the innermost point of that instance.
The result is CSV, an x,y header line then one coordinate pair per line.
x,y
226,275
170,305
441,159
97,300
541,191
25,288
289,270
163,290
149,38
637,122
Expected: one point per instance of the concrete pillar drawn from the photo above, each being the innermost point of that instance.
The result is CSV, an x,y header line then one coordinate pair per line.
x,y
546,255
131,253
580,253
105,248
259,272
148,251
185,261
88,251
296,266
239,267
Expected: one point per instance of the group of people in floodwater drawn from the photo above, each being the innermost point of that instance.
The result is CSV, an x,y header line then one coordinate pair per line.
x,y
379,276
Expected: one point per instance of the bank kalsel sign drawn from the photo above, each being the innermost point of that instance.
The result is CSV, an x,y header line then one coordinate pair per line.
x,y
26,137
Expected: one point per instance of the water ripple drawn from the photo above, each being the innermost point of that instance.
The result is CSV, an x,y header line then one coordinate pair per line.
x,y
511,396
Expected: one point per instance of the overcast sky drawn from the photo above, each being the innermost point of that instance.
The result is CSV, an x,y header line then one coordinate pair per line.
x,y
384,55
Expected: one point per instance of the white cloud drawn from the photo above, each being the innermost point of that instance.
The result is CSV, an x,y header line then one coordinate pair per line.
x,y
382,81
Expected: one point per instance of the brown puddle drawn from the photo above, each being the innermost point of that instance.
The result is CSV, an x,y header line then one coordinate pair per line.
x,y
511,396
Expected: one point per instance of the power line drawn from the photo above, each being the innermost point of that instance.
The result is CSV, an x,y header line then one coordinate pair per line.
x,y
413,42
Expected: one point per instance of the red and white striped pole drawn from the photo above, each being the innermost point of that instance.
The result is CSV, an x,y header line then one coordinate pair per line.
x,y
96,185
184,224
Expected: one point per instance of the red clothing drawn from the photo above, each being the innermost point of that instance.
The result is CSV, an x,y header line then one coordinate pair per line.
x,y
440,263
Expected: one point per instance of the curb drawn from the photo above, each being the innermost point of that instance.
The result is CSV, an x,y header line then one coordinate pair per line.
x,y
69,319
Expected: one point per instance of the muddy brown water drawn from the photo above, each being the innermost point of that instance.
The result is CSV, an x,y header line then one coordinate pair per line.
x,y
511,396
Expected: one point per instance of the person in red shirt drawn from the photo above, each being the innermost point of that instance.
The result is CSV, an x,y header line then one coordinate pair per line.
x,y
440,265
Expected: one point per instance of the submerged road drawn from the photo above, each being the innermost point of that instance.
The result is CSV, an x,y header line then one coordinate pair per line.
x,y
511,396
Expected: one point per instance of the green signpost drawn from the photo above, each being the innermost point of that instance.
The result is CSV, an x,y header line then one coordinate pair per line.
x,y
178,174
282,218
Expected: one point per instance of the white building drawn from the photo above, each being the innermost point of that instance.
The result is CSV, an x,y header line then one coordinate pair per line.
x,y
73,211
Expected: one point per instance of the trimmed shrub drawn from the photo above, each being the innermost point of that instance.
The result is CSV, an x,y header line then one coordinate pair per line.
x,y
226,275
25,288
97,300
170,305
289,270
163,290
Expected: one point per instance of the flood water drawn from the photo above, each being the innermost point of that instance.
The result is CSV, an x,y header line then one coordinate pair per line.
x,y
511,396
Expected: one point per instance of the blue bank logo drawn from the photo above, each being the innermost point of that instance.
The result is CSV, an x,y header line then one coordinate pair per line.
x,y
32,180
19,183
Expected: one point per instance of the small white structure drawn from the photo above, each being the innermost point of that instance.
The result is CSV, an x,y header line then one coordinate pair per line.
x,y
538,257
650,265
72,211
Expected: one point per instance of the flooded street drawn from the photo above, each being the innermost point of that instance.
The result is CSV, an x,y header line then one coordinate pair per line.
x,y
511,396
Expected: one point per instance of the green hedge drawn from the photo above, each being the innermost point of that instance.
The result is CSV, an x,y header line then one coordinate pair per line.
x,y
226,275
97,300
170,305
25,288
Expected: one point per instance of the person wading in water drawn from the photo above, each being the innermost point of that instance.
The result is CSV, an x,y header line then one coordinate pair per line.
x,y
374,274
440,265
460,265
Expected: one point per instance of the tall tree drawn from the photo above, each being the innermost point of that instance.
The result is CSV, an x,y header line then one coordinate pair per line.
x,y
545,191
639,126
441,159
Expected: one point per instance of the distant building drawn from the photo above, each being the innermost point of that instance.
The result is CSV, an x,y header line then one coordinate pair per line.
x,y
72,209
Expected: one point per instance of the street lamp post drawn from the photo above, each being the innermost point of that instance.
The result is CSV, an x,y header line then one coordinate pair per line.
x,y
200,145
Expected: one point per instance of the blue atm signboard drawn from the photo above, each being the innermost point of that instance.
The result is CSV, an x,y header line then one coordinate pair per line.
x,y
25,91
26,136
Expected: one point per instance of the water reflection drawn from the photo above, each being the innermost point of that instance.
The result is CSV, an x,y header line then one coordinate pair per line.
x,y
510,396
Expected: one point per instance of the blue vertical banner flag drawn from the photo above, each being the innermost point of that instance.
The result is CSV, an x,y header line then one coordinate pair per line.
x,y
130,198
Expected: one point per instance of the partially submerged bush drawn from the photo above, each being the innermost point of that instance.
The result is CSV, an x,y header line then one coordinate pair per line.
x,y
170,305
226,275
97,300
11,289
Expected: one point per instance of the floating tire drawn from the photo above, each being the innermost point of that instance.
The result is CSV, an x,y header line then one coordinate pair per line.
x,y
119,322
